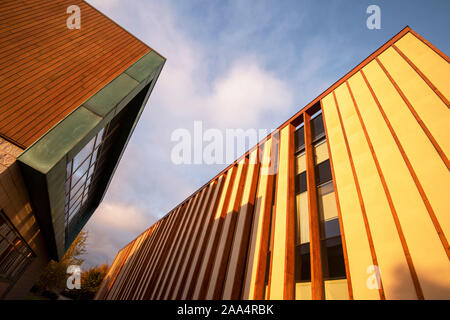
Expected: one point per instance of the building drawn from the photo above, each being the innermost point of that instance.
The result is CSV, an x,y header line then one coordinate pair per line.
x,y
348,199
70,101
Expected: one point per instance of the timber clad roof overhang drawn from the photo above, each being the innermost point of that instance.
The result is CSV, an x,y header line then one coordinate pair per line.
x,y
48,70
59,89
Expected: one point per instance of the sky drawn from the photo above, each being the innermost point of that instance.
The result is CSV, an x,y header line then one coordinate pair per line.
x,y
232,64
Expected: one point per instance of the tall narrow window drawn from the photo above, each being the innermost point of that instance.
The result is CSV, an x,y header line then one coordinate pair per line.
x,y
302,248
333,265
15,254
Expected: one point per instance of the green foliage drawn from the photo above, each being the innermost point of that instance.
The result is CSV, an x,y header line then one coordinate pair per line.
x,y
55,274
90,283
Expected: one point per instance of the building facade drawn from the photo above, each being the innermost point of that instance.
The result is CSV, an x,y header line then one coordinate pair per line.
x,y
71,98
348,199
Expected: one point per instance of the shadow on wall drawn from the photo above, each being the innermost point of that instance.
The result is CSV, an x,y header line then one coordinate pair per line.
x,y
431,289
15,205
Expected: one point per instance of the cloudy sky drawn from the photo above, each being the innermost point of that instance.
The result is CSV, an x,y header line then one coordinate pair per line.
x,y
233,64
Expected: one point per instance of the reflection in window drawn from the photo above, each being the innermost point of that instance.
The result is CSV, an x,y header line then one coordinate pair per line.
x,y
333,265
79,176
302,248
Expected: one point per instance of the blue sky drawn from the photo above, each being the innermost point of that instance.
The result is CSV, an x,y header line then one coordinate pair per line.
x,y
233,64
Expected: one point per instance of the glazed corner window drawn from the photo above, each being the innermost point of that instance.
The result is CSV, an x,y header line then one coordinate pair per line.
x,y
79,175
15,254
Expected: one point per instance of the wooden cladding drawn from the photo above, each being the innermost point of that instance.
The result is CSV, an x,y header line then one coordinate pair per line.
x,y
48,70
386,126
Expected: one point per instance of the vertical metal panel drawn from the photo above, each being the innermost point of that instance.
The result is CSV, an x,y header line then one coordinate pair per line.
x,y
205,270
385,236
102,291
282,271
426,249
214,289
160,254
111,288
163,272
124,271
135,267
434,66
202,221
387,193
146,254
194,268
424,162
359,254
151,254
257,252
429,111
235,272
130,267
181,256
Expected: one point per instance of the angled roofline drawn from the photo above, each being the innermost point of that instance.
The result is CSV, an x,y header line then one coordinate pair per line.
x,y
298,114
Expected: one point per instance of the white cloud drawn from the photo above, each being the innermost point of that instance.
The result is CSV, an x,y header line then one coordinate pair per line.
x,y
244,93
111,227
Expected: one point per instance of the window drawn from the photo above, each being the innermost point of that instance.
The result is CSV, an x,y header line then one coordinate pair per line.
x,y
79,175
15,254
302,248
333,265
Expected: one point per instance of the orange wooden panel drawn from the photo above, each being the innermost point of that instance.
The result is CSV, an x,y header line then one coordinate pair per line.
x,y
47,70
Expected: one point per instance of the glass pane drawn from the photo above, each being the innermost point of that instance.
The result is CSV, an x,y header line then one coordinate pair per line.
x,y
320,151
82,168
69,169
331,229
304,217
300,163
76,177
91,170
323,172
76,198
333,259
99,137
317,128
300,183
327,202
83,154
299,139
302,263
74,210
77,187
67,186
